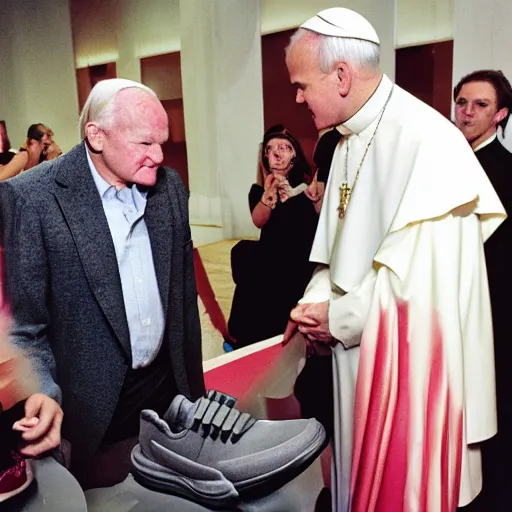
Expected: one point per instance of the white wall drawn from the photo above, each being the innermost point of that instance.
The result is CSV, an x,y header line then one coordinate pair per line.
x,y
38,83
124,31
163,16
483,40
423,21
101,27
97,23
94,25
8,79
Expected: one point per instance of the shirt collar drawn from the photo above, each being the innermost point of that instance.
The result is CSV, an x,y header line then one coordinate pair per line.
x,y
369,111
103,186
486,142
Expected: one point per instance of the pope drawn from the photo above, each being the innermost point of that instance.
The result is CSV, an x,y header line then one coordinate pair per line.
x,y
400,293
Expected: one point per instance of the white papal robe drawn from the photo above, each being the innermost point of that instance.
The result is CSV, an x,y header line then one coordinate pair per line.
x,y
405,275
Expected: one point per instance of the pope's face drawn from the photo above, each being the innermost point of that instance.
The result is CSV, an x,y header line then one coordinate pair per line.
x,y
280,153
476,111
318,90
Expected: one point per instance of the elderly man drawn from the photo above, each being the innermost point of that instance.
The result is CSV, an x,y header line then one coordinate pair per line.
x,y
483,100
99,264
400,293
100,273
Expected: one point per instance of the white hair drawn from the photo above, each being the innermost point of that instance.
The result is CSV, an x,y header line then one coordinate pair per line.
x,y
331,49
99,106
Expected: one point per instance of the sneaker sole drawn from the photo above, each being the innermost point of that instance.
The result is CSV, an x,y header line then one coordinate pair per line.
x,y
159,478
263,485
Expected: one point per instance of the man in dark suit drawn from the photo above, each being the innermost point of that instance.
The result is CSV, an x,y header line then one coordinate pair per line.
x,y
99,264
483,101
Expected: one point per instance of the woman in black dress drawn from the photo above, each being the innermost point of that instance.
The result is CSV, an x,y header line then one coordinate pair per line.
x,y
272,273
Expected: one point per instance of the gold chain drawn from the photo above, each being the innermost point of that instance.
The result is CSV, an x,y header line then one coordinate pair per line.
x,y
345,190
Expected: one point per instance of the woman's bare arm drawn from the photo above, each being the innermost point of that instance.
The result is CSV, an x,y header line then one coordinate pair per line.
x,y
14,167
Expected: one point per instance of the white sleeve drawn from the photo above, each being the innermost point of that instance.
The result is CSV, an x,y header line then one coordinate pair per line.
x,y
348,313
319,287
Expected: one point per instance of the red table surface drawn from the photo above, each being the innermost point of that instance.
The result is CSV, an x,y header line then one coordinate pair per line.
x,y
237,377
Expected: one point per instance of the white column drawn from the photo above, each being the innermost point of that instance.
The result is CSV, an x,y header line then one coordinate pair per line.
x,y
38,83
223,103
128,63
482,40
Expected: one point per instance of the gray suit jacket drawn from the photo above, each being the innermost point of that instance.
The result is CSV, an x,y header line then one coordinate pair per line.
x,y
65,291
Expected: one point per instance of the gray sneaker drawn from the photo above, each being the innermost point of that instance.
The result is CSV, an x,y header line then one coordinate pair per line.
x,y
213,454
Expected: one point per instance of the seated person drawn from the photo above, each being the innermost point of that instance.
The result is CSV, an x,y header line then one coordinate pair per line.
x,y
30,153
271,274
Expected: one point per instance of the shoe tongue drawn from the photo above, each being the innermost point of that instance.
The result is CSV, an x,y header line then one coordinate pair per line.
x,y
180,414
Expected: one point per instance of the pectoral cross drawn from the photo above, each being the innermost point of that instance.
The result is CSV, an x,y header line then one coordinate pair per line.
x,y
345,192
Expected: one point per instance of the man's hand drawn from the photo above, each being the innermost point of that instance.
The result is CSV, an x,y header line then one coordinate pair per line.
x,y
40,426
313,321
291,329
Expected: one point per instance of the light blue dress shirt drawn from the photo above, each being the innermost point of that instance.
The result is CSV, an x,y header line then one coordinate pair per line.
x,y
124,209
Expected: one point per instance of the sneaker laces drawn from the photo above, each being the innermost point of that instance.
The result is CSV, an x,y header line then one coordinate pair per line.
x,y
216,416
